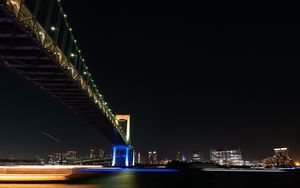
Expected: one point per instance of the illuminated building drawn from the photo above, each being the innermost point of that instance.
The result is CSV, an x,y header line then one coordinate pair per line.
x,y
139,158
197,156
226,157
70,156
57,156
282,157
50,159
92,153
179,156
152,157
11,157
101,153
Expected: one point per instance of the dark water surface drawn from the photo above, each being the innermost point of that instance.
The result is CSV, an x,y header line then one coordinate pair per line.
x,y
195,178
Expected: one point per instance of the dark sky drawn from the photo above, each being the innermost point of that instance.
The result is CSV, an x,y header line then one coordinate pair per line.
x,y
191,78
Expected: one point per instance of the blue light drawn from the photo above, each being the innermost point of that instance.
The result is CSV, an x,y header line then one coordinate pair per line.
x,y
121,156
114,156
129,170
127,156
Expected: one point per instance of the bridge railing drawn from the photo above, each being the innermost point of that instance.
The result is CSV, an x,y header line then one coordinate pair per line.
x,y
47,23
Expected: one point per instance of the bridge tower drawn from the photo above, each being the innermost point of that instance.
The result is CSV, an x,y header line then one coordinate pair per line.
x,y
123,155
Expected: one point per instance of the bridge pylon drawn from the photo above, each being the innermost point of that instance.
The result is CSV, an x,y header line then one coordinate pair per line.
x,y
123,155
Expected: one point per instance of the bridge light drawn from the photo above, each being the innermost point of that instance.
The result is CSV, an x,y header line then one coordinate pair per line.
x,y
72,55
65,15
53,28
70,29
75,41
84,73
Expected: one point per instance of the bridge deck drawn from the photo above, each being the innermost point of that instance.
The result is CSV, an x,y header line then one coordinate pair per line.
x,y
21,51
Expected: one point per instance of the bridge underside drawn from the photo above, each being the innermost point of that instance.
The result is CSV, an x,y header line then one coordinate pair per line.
x,y
23,55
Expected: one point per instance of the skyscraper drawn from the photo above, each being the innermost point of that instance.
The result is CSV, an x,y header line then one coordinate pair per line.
x,y
101,153
71,156
282,157
179,156
92,153
152,157
139,158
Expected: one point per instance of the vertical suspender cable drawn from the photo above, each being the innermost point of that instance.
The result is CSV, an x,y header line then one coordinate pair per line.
x,y
49,15
36,8
57,25
70,46
64,39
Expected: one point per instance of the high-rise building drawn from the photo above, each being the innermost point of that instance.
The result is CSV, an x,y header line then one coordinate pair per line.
x,y
139,158
226,157
57,156
282,157
50,159
93,153
197,156
179,156
70,156
101,153
152,157
11,157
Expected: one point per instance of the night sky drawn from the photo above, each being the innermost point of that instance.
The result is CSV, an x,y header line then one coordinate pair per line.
x,y
191,78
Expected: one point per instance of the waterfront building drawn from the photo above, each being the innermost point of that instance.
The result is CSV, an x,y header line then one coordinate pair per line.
x,y
197,156
226,157
70,156
152,157
281,158
101,153
50,159
178,156
93,153
139,158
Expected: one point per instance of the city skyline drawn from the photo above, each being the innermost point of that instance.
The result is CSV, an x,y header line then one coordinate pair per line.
x,y
187,85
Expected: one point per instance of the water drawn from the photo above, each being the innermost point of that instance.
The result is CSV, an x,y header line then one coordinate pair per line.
x,y
184,179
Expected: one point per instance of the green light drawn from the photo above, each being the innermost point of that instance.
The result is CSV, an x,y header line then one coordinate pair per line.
x,y
72,55
70,29
65,15
53,28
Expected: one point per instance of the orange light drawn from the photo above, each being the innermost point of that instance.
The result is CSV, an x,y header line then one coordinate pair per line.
x,y
297,163
39,173
33,177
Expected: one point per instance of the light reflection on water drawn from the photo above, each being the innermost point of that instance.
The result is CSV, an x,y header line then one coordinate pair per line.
x,y
119,180
122,179
48,186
